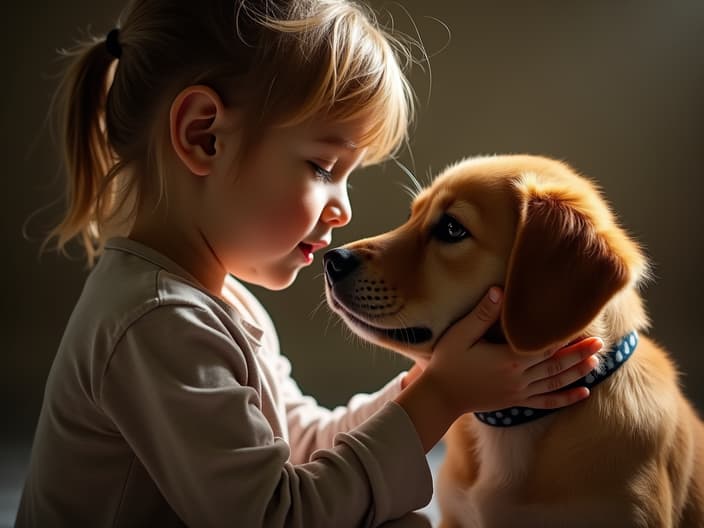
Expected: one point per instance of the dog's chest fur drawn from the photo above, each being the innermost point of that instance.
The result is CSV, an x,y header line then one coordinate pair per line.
x,y
506,456
497,499
506,452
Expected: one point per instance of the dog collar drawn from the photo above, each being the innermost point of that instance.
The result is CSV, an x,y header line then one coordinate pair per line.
x,y
616,357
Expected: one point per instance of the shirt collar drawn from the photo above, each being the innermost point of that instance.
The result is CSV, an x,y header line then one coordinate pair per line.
x,y
127,245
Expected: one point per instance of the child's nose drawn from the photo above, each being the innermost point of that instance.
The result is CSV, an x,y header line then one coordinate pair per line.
x,y
338,212
336,216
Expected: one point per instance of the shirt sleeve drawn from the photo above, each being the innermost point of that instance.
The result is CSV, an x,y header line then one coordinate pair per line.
x,y
182,393
312,426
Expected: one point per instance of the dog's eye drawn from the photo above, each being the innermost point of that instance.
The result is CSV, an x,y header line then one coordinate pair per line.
x,y
448,229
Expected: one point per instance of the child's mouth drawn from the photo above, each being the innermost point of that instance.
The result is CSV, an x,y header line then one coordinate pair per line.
x,y
307,251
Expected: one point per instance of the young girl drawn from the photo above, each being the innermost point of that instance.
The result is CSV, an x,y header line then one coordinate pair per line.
x,y
220,151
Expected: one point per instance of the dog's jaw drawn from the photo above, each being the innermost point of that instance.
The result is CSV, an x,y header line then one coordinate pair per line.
x,y
371,306
393,337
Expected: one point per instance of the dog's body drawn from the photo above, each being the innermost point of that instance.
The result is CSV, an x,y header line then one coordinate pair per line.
x,y
632,455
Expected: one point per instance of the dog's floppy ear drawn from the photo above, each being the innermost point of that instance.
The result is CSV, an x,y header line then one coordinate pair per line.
x,y
561,274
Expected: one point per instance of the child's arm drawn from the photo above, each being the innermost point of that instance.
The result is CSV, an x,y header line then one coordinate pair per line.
x,y
184,392
312,426
466,375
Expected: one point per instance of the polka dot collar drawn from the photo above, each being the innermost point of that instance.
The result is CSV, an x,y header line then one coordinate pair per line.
x,y
610,363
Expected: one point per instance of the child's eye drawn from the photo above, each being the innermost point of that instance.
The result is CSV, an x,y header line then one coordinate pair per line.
x,y
323,174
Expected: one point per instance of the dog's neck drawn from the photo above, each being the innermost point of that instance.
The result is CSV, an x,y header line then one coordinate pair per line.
x,y
623,313
495,334
617,325
616,356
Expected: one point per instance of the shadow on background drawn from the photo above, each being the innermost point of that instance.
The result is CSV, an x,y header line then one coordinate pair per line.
x,y
613,88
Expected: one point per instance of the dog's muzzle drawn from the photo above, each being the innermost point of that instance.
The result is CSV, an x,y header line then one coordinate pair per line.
x,y
340,264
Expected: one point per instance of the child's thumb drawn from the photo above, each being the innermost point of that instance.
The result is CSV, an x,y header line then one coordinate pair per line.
x,y
474,325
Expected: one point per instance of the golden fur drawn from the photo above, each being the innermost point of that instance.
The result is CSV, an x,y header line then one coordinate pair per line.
x,y
632,455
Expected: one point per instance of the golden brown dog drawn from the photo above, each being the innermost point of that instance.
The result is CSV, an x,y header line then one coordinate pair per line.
x,y
632,455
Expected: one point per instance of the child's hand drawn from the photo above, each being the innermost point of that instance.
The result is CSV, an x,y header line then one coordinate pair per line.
x,y
466,374
473,375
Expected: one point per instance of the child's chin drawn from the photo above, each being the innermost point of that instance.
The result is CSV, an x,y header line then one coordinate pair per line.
x,y
280,281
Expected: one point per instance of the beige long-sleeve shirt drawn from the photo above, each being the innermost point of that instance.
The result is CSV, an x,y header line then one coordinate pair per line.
x,y
167,406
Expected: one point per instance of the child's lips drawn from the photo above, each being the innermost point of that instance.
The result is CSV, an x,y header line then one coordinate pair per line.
x,y
308,249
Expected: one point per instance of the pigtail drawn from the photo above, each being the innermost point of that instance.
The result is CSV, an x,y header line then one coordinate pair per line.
x,y
89,161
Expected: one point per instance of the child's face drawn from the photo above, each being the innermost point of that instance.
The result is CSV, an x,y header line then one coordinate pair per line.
x,y
269,215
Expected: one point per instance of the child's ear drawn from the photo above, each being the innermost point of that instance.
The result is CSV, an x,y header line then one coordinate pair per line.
x,y
196,118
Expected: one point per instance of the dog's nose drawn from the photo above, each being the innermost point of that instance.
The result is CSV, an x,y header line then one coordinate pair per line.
x,y
338,264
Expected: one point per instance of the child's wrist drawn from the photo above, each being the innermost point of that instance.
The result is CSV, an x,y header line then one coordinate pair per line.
x,y
428,409
442,397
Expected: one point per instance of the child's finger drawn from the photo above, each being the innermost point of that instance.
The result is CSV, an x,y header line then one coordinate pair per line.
x,y
557,351
554,400
473,326
564,359
564,378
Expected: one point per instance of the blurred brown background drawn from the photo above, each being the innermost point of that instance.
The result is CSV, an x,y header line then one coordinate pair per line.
x,y
614,88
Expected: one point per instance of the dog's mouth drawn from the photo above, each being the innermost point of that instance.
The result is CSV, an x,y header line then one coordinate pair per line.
x,y
410,335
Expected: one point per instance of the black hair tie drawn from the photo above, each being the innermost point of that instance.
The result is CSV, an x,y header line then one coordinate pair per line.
x,y
112,43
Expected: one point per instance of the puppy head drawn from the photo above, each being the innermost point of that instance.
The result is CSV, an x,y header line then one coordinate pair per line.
x,y
526,223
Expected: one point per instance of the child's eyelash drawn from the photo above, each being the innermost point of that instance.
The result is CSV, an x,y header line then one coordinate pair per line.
x,y
323,174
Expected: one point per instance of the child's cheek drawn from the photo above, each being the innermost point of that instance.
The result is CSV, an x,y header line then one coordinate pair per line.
x,y
285,227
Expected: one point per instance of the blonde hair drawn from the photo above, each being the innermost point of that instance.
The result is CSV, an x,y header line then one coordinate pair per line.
x,y
280,61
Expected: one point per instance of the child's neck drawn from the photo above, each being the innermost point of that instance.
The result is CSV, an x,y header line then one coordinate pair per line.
x,y
192,252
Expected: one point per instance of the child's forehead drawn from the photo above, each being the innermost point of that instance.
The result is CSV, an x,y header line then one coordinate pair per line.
x,y
338,142
340,134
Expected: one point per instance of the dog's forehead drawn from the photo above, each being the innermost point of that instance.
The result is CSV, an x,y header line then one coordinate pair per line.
x,y
484,180
466,188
